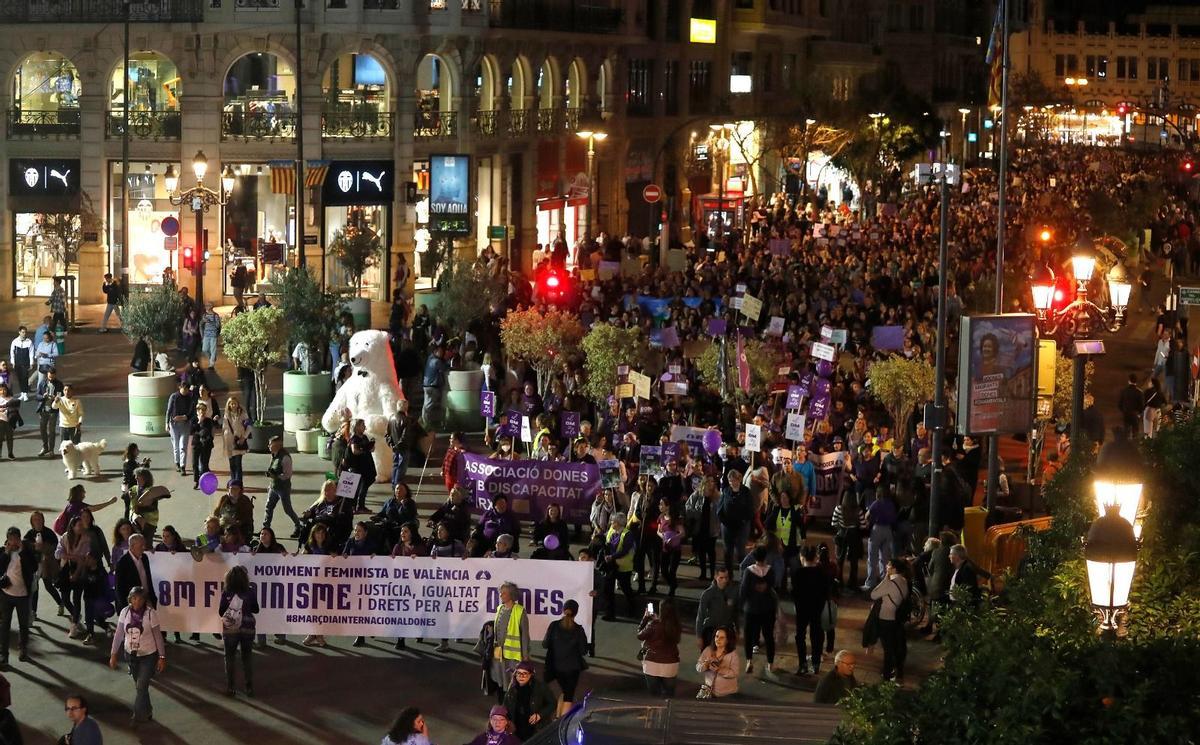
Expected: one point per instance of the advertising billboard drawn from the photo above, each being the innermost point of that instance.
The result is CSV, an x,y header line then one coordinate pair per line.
x,y
449,194
997,374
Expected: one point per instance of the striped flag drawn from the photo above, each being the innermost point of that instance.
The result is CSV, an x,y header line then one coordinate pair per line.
x,y
743,366
995,57
997,32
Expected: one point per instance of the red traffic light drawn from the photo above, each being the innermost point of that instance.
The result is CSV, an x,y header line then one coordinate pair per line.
x,y
552,281
554,287
189,259
1188,166
1122,109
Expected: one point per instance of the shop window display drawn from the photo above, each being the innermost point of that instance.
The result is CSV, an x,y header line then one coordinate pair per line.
x,y
357,95
45,94
150,253
45,245
260,97
257,227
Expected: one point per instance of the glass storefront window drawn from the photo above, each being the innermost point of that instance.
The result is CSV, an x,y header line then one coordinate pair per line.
x,y
46,81
44,245
149,205
357,93
154,84
258,223
260,97
347,220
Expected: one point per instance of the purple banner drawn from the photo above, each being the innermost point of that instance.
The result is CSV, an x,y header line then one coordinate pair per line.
x,y
821,387
531,486
487,404
569,424
794,394
806,382
717,326
670,452
887,338
818,408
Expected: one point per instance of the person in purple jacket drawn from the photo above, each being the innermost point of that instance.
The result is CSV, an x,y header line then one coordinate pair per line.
x,y
498,731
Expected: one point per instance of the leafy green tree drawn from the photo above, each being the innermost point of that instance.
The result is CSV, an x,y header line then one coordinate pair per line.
x,y
256,340
155,315
901,385
544,340
467,293
605,347
311,313
357,249
764,361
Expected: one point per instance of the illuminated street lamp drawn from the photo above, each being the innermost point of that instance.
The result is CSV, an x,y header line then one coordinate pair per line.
x,y
1082,319
592,135
1111,547
964,111
719,145
201,199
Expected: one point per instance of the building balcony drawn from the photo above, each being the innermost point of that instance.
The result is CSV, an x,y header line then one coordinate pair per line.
x,y
257,125
24,124
555,15
101,11
519,122
549,120
144,125
435,124
486,123
374,125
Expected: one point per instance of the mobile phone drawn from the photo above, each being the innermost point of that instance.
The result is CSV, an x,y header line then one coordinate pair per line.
x,y
650,608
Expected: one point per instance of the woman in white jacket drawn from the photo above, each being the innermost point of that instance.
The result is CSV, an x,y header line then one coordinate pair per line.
x,y
235,436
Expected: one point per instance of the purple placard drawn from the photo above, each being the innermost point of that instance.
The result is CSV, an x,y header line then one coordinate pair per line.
x,y
670,452
887,338
717,326
487,404
531,486
806,382
780,246
670,338
511,426
821,388
818,408
794,394
569,424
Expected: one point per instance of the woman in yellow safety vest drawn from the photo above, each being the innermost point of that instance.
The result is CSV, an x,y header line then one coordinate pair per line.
x,y
619,545
511,627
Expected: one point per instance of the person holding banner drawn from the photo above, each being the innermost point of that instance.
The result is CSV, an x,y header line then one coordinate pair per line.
x,y
455,513
331,511
496,521
138,633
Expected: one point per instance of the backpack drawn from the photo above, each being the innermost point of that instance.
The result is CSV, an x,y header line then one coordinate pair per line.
x,y
62,522
231,619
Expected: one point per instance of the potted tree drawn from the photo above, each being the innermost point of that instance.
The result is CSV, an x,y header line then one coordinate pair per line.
x,y
311,313
466,295
255,341
545,340
357,248
604,348
156,316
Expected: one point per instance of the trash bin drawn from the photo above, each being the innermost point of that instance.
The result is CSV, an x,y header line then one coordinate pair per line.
x,y
974,530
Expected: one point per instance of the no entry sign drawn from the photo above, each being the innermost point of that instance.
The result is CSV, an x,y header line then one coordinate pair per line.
x,y
652,193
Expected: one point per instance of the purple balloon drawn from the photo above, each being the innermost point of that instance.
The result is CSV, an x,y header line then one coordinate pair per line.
x,y
824,368
208,482
550,542
712,441
671,539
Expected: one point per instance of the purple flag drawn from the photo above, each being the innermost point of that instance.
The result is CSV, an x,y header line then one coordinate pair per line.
x,y
717,326
569,426
794,394
487,404
887,338
806,383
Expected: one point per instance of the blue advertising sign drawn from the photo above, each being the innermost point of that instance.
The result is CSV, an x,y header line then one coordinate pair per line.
x,y
450,194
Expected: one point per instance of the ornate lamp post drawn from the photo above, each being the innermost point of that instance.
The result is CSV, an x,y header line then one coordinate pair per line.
x,y
1082,319
592,135
201,199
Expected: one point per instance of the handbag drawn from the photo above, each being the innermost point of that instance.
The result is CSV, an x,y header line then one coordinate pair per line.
x,y
829,616
870,632
231,619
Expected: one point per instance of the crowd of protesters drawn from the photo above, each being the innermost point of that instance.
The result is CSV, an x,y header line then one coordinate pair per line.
x,y
742,518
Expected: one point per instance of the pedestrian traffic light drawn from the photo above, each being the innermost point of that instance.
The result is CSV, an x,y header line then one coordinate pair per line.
x,y
189,259
1122,109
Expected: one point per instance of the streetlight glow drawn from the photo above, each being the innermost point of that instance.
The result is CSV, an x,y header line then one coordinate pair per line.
x,y
1083,259
200,165
171,179
1042,288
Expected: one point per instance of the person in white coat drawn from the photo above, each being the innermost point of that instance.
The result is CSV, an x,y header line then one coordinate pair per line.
x,y
235,436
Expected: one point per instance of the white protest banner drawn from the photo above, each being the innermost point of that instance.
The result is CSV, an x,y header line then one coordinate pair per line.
x,y
753,438
693,436
823,351
367,595
676,388
526,430
752,307
347,486
776,326
736,302
795,426
831,474
740,288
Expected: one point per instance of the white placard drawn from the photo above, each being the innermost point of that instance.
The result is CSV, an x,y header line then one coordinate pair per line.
x,y
368,595
826,333
740,288
752,307
526,430
795,426
776,326
823,351
839,337
347,486
736,302
753,438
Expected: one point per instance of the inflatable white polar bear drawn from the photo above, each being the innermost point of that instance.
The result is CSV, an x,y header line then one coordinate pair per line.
x,y
371,393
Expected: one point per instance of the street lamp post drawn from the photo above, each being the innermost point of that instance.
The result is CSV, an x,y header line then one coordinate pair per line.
x,y
964,111
719,139
200,199
592,136
1082,318
1111,546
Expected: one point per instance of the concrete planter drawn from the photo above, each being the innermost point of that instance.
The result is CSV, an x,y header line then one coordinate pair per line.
x,y
261,434
148,394
305,398
307,439
360,308
462,400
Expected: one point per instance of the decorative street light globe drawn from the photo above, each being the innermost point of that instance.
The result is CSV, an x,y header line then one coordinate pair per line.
x,y
1042,286
1119,288
1111,554
1083,260
1118,480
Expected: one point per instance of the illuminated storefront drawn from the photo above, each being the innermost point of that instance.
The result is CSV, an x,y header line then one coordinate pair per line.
x,y
154,90
44,198
356,94
357,199
150,253
258,222
45,96
260,98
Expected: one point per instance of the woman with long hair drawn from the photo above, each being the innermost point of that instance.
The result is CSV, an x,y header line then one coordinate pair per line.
x,y
893,591
718,665
671,533
235,436
660,633
238,606
408,728
45,544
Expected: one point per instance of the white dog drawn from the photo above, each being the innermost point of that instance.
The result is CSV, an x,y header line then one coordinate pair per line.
x,y
84,456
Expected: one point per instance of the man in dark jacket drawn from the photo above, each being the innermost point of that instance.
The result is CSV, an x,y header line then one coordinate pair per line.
x,y
133,570
964,577
812,589
400,429
48,389
17,566
734,510
1093,420
1130,403
718,606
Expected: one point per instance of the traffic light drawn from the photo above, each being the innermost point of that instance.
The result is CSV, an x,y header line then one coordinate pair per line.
x,y
1044,235
1122,109
554,287
188,259
1188,166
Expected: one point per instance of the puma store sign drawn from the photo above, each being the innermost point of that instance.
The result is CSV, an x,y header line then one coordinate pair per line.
x,y
41,177
351,182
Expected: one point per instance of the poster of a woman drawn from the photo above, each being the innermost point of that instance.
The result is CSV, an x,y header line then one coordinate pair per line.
x,y
1000,379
